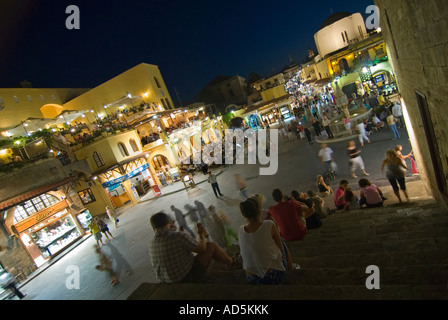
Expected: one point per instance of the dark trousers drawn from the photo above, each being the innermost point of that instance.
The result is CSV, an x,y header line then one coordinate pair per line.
x,y
216,190
329,133
14,289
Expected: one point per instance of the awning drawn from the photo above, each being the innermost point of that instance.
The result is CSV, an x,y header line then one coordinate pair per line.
x,y
68,116
9,203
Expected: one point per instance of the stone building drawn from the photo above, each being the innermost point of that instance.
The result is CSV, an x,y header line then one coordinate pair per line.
x,y
417,41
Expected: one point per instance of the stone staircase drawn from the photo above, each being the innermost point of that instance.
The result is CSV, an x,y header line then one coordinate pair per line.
x,y
409,245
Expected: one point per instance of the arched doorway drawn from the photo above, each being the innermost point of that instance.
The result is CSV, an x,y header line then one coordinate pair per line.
x,y
160,162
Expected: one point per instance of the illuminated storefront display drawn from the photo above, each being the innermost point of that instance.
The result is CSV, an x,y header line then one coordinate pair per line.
x,y
48,231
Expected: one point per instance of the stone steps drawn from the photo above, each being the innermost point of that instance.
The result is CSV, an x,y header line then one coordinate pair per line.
x,y
408,243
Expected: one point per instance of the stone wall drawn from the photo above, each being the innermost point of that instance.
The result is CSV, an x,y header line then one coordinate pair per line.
x,y
13,255
416,34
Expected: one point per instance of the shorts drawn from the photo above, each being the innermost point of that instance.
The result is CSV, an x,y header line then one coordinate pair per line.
x,y
196,273
97,236
105,229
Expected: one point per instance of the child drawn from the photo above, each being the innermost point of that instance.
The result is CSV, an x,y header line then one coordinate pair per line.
x,y
339,195
351,200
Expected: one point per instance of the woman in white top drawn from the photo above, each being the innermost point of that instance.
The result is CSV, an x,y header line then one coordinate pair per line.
x,y
265,256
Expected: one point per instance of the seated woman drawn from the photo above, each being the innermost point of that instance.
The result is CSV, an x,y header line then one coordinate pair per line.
x,y
370,194
322,187
319,205
265,256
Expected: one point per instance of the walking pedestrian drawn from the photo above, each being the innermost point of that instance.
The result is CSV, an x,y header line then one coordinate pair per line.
x,y
326,157
103,228
192,213
392,123
106,265
217,232
395,174
348,125
181,221
326,124
316,126
8,282
355,159
362,134
215,186
229,232
397,112
241,186
308,134
96,232
112,216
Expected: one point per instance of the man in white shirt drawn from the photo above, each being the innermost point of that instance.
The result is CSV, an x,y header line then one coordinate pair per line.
x,y
361,127
326,156
397,111
212,180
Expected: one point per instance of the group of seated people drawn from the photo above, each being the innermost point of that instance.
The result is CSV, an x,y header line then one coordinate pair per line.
x,y
262,240
370,196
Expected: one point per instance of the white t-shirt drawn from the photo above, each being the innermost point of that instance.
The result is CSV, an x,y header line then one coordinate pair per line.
x,y
259,251
325,154
361,127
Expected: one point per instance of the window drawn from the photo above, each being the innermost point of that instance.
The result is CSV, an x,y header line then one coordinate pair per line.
x,y
232,94
39,203
134,145
16,99
53,97
86,196
98,159
163,102
29,98
343,38
123,150
157,82
168,103
42,98
346,36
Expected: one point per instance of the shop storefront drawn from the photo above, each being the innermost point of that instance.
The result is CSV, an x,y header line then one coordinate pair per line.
x,y
131,185
49,231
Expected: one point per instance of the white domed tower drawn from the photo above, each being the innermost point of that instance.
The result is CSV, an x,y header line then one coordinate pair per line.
x,y
338,31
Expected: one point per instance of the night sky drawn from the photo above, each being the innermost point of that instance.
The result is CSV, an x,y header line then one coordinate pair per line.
x,y
191,41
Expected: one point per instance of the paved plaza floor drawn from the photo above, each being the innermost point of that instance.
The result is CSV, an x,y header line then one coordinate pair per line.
x,y
74,277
